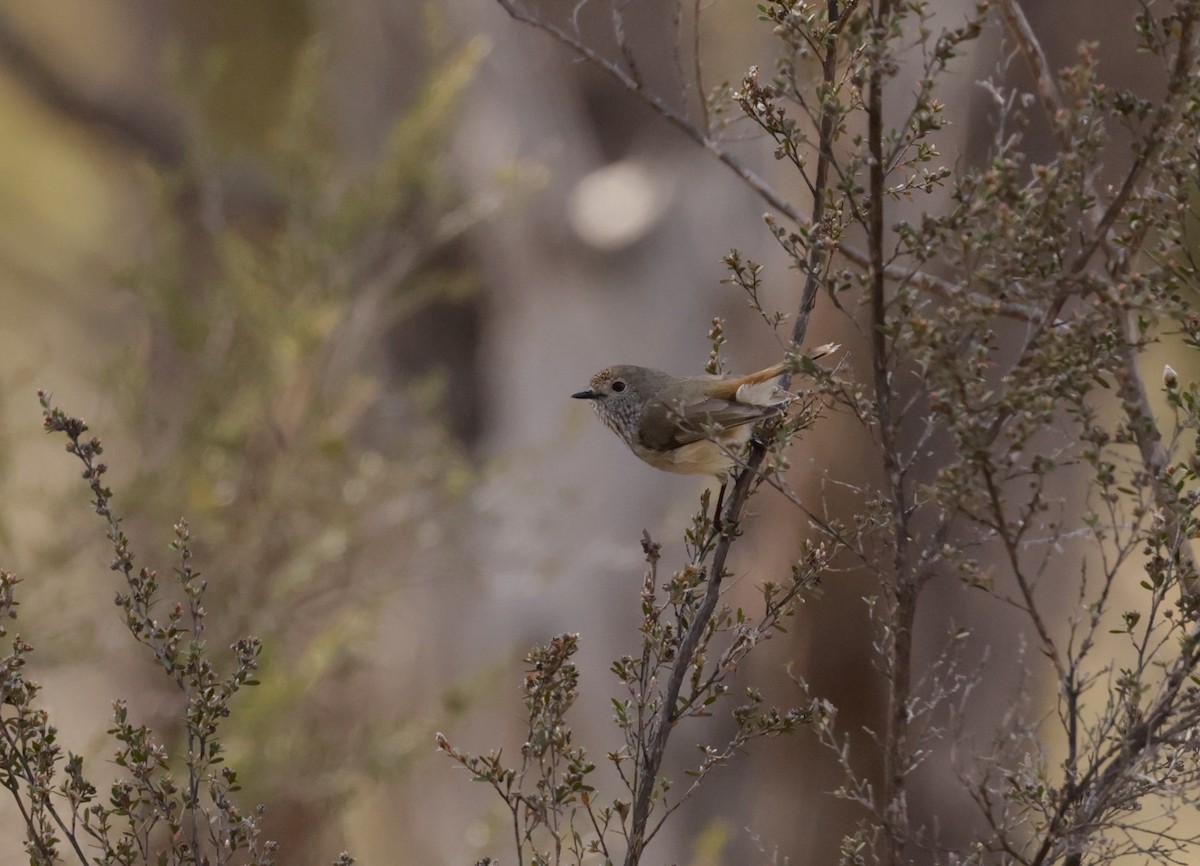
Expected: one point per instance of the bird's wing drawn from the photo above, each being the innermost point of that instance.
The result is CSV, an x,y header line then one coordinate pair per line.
x,y
664,427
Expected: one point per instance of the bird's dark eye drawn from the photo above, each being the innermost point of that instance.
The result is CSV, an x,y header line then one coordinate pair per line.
x,y
618,386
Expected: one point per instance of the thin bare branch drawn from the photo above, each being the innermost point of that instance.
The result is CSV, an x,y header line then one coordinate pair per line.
x,y
1031,49
705,123
676,118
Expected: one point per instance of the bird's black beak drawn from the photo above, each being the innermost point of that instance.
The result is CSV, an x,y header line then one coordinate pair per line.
x,y
586,395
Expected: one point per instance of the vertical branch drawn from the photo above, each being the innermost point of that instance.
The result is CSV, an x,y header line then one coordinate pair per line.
x,y
618,24
903,613
697,76
816,250
705,123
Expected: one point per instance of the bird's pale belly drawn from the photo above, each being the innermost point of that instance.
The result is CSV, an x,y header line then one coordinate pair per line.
x,y
703,457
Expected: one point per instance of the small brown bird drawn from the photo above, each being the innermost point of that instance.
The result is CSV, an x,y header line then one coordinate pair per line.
x,y
691,425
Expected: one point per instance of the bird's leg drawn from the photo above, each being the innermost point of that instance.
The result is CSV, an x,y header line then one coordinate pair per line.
x,y
720,505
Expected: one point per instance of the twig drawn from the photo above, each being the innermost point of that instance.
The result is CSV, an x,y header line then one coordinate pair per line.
x,y
696,62
618,22
812,276
936,285
1031,50
676,118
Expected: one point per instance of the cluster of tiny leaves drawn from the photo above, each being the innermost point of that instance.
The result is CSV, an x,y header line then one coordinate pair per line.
x,y
543,792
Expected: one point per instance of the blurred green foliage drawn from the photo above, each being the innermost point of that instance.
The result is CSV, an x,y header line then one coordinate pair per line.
x,y
259,381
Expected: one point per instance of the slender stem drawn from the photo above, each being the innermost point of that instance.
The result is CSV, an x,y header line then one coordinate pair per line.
x,y
905,587
706,124
816,250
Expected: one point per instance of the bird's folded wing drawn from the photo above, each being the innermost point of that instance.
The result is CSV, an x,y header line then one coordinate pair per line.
x,y
665,427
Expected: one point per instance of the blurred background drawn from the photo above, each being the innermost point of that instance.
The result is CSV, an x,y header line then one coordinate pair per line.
x,y
323,276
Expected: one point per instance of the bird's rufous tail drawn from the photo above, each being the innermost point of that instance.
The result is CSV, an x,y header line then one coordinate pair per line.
x,y
777,369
